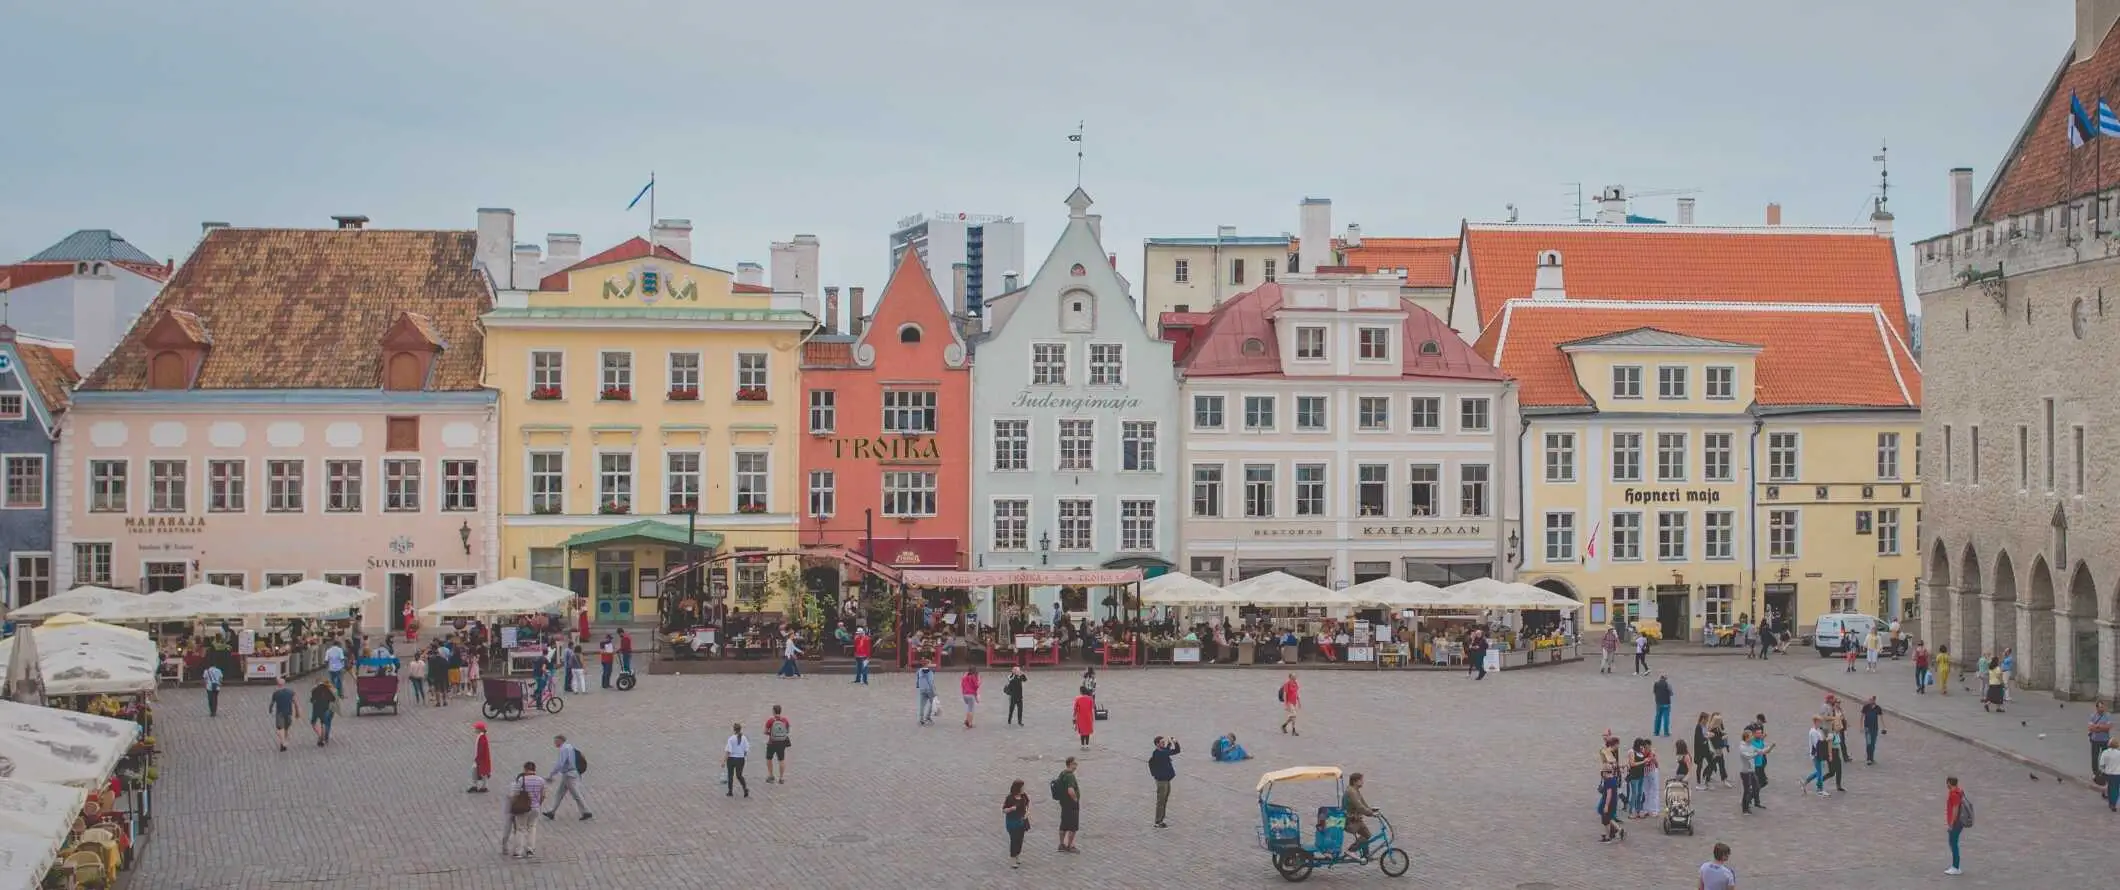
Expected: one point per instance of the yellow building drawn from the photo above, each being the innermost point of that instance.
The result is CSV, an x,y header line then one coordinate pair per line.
x,y
635,388
1196,274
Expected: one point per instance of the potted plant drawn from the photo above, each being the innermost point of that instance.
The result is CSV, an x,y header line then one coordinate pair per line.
x,y
751,507
681,504
544,393
750,393
684,393
614,507
618,394
544,509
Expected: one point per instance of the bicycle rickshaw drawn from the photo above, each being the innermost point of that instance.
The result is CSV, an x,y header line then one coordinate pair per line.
x,y
1281,830
505,699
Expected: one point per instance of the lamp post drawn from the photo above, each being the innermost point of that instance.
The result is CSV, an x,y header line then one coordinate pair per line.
x,y
692,554
465,534
1045,546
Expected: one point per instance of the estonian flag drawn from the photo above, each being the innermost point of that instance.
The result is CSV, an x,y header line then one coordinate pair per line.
x,y
2108,122
2079,123
644,190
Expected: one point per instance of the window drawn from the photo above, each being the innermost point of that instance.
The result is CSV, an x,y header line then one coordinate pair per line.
x,y
548,374
1975,450
548,565
401,486
751,377
824,500
1207,490
1626,536
1474,415
33,577
11,406
1718,601
1671,382
2048,442
1888,455
1310,489
2024,457
1012,444
1626,381
1310,413
1781,457
92,564
1671,536
1373,344
1560,457
1718,532
401,434
1374,413
1181,271
453,583
616,375
1626,457
683,472
548,482
1078,524
1424,495
908,493
1841,597
909,333
1258,412
1560,537
1266,269
459,486
824,411
281,579
684,375
168,483
25,481
1107,364
909,411
1888,605
1781,534
751,480
1721,383
1948,470
1012,524
2075,456
1310,343
750,575
1670,457
1137,524
1472,490
1626,604
1424,414
225,486
1373,489
1236,271
285,486
1715,457
106,486
342,486
1888,532
1048,364
1207,412
1078,445
158,577
614,482
1258,491
1137,446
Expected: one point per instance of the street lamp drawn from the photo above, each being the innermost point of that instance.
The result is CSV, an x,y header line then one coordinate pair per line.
x,y
1045,546
465,534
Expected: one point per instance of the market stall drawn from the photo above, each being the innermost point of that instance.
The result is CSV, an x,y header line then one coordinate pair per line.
x,y
1117,651
1519,646
36,824
87,600
105,757
505,598
77,656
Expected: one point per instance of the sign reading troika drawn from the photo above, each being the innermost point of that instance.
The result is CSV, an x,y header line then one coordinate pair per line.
x,y
887,448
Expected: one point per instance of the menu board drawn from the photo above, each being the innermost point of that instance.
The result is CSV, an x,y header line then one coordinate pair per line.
x,y
247,642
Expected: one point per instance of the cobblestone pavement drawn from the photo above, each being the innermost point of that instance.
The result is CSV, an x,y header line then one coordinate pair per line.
x,y
1490,783
2035,727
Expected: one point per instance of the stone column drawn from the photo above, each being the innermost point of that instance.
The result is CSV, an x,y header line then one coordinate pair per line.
x,y
2035,664
1935,614
1967,631
2109,661
2064,653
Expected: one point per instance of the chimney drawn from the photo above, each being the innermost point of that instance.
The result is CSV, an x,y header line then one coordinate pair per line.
x,y
350,221
525,267
750,273
562,249
1548,285
494,250
1008,281
207,227
794,269
831,309
1961,198
1225,232
97,326
1881,219
1354,235
1773,214
1316,247
960,276
675,234
1612,205
1113,259
859,321
2093,19
1685,211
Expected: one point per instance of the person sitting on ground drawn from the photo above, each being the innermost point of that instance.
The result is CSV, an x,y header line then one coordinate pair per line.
x,y
1226,750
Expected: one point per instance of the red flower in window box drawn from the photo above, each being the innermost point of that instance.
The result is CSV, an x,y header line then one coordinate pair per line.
x,y
684,505
614,508
684,394
750,393
618,394
544,393
750,507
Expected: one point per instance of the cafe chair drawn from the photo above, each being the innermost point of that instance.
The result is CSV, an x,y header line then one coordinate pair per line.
x,y
87,869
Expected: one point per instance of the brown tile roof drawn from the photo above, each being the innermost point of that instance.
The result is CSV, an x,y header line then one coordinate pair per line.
x,y
1429,262
837,352
1768,264
1219,351
1810,355
2041,169
52,370
632,248
308,308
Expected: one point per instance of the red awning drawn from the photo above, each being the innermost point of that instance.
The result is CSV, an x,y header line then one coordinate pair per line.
x,y
915,553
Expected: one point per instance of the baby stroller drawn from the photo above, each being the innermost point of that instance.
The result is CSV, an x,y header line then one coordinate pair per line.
x,y
1678,808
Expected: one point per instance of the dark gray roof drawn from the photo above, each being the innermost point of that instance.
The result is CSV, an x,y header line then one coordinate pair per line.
x,y
93,244
1652,337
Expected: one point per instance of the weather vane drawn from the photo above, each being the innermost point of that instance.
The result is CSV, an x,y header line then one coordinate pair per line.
x,y
1076,138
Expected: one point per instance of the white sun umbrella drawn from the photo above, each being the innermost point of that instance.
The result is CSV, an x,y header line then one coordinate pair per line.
x,y
86,600
1493,593
35,820
66,747
1180,589
189,604
281,602
82,657
508,596
347,597
1283,589
1397,593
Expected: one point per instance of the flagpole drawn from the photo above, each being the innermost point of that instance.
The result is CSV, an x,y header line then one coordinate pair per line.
x,y
651,205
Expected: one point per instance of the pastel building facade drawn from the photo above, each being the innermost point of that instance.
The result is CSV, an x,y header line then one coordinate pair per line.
x,y
36,383
86,290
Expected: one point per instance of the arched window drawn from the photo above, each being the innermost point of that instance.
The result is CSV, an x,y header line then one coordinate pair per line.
x,y
404,373
1430,347
168,370
909,333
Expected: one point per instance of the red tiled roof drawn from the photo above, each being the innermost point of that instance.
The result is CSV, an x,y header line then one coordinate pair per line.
x,y
51,369
828,354
1838,356
1429,262
1660,263
742,288
26,274
632,248
2041,169
1219,351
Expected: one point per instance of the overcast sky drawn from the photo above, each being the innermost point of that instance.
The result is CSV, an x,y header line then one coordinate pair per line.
x,y
837,117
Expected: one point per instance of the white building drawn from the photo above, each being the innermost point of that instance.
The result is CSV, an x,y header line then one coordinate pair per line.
x,y
87,289
990,248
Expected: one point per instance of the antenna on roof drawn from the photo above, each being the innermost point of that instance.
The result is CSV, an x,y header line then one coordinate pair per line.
x,y
1884,175
1579,217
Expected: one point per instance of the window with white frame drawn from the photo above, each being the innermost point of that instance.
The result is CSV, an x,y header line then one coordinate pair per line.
x,y
1373,414
1107,364
12,406
1888,532
1012,444
1475,415
1560,457
92,564
616,375
1424,490
1078,524
1626,537
614,482
1626,457
164,575
1048,364
908,493
1718,601
1560,537
281,579
684,375
107,486
33,577
1841,598
824,411
459,486
25,481
1258,413
1310,343
1424,414
1137,446
401,486
1310,489
1310,413
1137,524
453,583
1671,382
1670,457
752,375
1266,271
1721,383
1671,529
548,481
1181,271
1718,534
1258,491
1888,455
1781,457
1078,445
1715,465
1236,271
824,494
227,486
1012,524
1207,412
1472,490
909,411
683,475
1782,531
342,486
285,484
168,485
1207,490
1374,344
752,468
1372,489
548,373
1626,381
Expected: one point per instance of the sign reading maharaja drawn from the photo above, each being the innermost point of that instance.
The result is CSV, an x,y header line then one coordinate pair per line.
x,y
1114,402
156,525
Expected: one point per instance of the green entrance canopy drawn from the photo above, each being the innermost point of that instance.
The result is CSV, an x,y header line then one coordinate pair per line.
x,y
645,529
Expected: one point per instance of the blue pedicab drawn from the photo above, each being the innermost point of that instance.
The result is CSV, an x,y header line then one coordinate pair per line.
x,y
1281,830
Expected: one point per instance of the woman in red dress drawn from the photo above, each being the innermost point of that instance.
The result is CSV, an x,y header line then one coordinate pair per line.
x,y
481,760
1085,717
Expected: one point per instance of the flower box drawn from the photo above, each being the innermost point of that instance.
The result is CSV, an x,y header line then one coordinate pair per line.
x,y
614,508
545,509
684,394
750,393
544,393
618,394
684,505
750,508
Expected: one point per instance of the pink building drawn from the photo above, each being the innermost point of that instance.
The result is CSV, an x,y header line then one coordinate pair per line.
x,y
295,404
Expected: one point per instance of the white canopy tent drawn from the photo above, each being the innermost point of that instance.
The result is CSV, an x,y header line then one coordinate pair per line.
x,y
59,746
35,821
1283,589
1491,593
508,596
86,600
82,657
282,602
352,597
189,604
1396,593
1180,589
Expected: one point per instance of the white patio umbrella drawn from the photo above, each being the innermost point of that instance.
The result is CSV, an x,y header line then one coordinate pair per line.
x,y
350,597
66,747
35,820
85,600
1397,593
188,604
1492,593
82,657
1283,589
1180,589
281,602
508,596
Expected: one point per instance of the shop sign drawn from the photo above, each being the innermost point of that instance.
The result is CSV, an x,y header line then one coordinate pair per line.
x,y
400,545
160,525
1673,496
1066,402
1288,533
1423,531
887,448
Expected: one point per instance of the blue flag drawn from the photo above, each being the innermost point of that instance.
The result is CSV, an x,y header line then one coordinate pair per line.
x,y
2079,123
644,190
2108,122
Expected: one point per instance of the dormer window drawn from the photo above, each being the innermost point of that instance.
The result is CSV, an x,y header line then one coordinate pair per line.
x,y
1430,347
176,346
909,333
169,369
410,348
404,372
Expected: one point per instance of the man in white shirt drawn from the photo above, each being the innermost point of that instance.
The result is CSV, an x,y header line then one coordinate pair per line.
x,y
1815,742
212,676
335,661
2109,764
1715,874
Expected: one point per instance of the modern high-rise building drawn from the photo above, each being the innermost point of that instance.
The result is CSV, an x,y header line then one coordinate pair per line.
x,y
990,247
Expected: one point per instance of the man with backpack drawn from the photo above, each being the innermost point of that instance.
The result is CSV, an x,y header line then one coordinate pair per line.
x,y
567,770
1164,772
525,795
777,732
1068,792
1957,817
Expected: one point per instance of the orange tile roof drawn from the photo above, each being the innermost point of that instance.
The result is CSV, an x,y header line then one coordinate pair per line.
x,y
1810,355
1768,264
837,352
2041,170
52,370
1429,262
632,248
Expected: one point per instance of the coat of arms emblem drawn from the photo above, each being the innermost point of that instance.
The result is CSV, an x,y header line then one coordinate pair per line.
x,y
401,545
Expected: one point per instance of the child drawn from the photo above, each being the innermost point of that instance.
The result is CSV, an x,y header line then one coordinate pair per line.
x,y
1848,655
481,760
417,673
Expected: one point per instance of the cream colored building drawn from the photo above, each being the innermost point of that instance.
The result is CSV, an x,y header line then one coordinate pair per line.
x,y
1196,274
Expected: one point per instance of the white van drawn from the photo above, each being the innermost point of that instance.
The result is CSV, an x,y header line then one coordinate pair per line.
x,y
1831,630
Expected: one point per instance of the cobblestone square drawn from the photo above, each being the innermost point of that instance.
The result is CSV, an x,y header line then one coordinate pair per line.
x,y
1490,785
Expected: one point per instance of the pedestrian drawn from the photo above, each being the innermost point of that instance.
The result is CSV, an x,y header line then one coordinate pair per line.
x,y
625,651
863,648
2109,770
1847,649
1652,781
924,684
567,773
1013,689
1291,705
283,710
1921,667
1662,693
525,796
323,705
1085,717
481,760
1476,652
1719,742
1609,646
1820,748
1755,751
581,621
1870,647
969,688
335,662
1715,874
438,675
1872,727
1943,669
1684,771
576,671
212,677
1067,789
471,670
1836,746
1016,817
1996,677
1608,792
2009,670
1957,817
1637,772
1641,653
733,753
778,734
1161,769
2101,727
607,654
789,652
